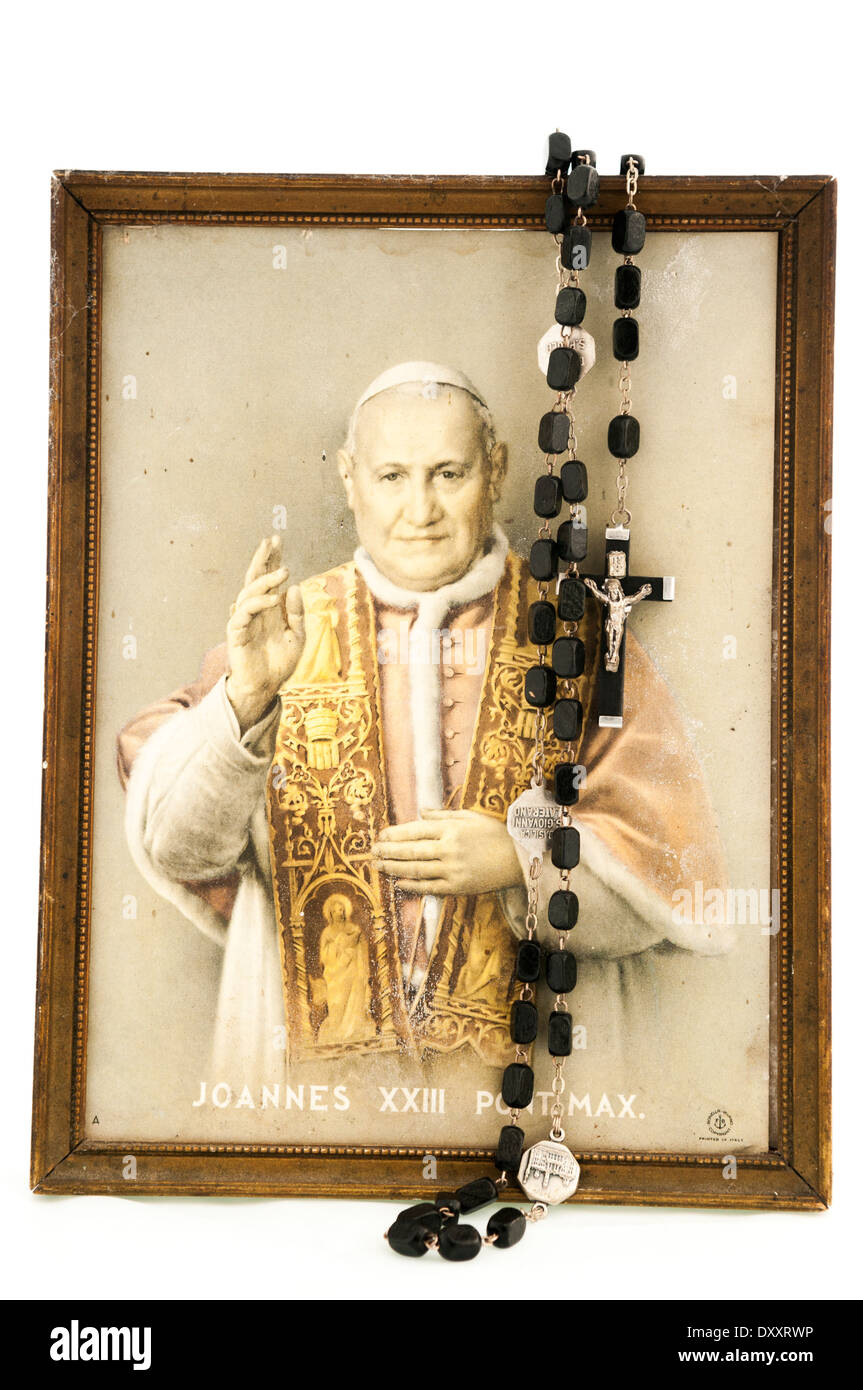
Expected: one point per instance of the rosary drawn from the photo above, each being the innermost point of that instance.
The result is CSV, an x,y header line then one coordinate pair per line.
x,y
540,819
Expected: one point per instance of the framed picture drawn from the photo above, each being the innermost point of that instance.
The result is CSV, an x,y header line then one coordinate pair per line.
x,y
250,979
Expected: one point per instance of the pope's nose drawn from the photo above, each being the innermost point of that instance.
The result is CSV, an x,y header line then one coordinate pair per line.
x,y
422,507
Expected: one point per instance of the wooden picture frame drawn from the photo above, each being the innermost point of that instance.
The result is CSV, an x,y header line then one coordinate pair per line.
x,y
794,1173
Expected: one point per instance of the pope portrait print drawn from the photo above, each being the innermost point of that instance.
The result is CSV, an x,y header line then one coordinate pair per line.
x,y
328,798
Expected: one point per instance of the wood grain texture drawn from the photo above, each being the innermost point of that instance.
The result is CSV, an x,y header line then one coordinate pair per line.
x,y
795,1173
60,873
495,201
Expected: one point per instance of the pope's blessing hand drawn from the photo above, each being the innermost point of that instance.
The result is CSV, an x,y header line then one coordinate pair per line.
x,y
265,634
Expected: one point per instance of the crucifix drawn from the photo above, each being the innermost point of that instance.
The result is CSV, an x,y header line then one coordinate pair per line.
x,y
619,592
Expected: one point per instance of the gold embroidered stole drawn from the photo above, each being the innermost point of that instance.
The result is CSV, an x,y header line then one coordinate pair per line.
x,y
327,802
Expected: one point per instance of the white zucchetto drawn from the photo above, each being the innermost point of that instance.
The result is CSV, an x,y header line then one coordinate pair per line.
x,y
422,374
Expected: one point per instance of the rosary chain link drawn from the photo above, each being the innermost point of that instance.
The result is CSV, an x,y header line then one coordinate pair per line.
x,y
624,385
621,516
631,182
558,1085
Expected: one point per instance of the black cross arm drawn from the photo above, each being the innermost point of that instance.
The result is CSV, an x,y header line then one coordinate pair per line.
x,y
661,586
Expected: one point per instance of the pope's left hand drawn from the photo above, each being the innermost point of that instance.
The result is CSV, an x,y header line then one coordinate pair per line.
x,y
449,852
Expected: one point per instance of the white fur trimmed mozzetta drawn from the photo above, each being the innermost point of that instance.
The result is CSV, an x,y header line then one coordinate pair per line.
x,y
432,607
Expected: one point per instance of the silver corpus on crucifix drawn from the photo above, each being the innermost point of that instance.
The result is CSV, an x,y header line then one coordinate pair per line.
x,y
619,606
619,592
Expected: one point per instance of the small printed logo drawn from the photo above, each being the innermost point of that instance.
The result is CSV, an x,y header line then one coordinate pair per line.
x,y
77,1343
719,1122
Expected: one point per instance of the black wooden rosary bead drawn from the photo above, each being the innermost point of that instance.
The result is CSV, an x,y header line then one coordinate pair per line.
x,y
567,657
554,432
528,961
584,157
570,600
475,1194
624,436
567,720
556,213
582,186
570,306
624,339
575,248
541,623
459,1243
561,971
563,910
543,559
448,1202
564,366
407,1234
559,153
628,231
507,1225
571,540
408,1238
573,480
419,1211
510,1144
627,287
517,1086
565,840
639,163
559,1045
547,495
540,686
567,779
523,1021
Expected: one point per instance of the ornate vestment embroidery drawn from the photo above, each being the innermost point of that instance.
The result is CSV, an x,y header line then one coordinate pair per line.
x,y
327,801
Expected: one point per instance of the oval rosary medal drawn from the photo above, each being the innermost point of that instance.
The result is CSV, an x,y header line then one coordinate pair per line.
x,y
548,1172
531,820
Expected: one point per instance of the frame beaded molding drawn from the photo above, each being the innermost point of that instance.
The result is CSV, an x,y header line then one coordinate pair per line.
x,y
91,581
782,794
460,221
707,1160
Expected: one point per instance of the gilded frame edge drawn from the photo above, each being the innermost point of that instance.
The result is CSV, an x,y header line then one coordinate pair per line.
x,y
795,1172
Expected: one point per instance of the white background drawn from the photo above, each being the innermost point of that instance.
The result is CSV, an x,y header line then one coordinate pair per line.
x,y
396,88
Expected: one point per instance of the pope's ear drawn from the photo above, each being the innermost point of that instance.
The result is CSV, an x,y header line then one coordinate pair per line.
x,y
498,460
346,473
